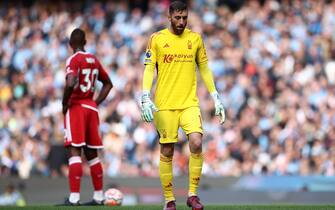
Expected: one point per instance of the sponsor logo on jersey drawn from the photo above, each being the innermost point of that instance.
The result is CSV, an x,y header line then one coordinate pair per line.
x,y
168,58
90,60
166,45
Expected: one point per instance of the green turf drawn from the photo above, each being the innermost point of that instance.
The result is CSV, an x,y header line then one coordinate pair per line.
x,y
183,207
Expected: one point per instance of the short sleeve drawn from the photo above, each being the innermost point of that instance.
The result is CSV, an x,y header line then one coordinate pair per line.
x,y
72,66
201,52
151,51
102,71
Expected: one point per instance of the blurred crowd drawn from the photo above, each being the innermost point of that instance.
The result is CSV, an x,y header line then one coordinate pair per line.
x,y
273,62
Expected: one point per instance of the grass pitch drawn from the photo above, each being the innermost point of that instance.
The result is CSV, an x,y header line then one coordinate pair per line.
x,y
180,207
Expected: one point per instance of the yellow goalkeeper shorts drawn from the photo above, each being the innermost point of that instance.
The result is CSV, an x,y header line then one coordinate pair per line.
x,y
167,123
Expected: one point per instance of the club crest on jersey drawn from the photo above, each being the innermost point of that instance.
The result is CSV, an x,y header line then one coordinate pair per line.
x,y
189,45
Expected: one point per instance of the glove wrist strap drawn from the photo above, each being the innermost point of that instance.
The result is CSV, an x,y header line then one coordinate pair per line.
x,y
215,95
145,96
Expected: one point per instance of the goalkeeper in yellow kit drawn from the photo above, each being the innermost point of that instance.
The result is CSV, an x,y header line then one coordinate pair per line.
x,y
175,52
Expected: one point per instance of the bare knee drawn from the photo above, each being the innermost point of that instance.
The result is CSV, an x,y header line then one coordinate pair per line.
x,y
167,149
90,153
74,151
195,143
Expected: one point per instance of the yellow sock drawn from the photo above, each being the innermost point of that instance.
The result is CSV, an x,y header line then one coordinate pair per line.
x,y
195,167
165,173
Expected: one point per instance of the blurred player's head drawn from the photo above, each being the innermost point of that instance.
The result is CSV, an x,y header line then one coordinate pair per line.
x,y
77,39
178,16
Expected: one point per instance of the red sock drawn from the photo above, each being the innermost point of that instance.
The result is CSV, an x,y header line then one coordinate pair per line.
x,y
75,173
96,173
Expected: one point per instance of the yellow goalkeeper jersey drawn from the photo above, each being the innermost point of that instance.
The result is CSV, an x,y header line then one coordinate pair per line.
x,y
175,58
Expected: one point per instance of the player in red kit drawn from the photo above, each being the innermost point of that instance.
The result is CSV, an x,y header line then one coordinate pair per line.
x,y
81,120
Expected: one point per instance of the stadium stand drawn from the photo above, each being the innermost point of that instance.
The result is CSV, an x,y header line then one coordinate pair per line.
x,y
274,64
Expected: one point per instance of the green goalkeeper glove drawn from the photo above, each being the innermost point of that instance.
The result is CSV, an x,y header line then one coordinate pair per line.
x,y
147,107
219,110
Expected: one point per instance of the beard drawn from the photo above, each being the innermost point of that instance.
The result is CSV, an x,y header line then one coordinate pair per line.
x,y
178,30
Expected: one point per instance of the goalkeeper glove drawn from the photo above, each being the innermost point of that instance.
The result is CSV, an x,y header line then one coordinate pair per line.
x,y
219,110
147,107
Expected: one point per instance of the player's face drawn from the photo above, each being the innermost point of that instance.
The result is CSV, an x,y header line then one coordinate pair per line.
x,y
178,21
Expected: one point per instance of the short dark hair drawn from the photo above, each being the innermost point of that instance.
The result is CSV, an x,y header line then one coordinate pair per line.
x,y
177,6
78,37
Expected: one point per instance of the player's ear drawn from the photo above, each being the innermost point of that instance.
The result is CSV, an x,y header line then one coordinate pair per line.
x,y
84,41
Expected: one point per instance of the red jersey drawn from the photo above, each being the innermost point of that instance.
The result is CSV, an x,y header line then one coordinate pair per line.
x,y
88,69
